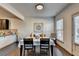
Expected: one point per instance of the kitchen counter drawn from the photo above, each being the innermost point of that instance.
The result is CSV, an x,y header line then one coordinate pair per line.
x,y
7,40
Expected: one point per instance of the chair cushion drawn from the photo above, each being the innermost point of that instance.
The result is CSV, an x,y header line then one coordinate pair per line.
x,y
28,46
44,46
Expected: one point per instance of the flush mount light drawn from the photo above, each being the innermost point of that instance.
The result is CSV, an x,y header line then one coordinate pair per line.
x,y
39,6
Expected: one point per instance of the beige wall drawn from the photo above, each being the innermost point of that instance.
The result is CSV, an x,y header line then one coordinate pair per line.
x,y
26,27
67,16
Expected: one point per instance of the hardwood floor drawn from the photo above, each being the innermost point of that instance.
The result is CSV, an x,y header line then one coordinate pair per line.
x,y
65,53
13,50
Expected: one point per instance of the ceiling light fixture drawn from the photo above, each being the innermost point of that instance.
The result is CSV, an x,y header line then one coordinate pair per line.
x,y
39,6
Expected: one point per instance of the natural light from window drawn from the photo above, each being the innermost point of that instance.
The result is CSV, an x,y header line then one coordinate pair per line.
x,y
76,29
59,29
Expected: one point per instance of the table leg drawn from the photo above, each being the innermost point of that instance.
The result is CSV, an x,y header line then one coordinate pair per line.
x,y
21,49
34,51
52,50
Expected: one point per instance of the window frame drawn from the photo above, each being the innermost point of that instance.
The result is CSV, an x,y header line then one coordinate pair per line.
x,y
73,28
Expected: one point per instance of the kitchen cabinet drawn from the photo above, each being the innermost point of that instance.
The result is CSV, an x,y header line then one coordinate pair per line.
x,y
7,40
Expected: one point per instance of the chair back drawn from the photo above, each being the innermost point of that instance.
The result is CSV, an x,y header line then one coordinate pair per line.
x,y
28,40
44,41
28,44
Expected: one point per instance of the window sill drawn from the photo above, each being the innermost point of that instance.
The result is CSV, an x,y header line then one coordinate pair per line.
x,y
60,41
76,43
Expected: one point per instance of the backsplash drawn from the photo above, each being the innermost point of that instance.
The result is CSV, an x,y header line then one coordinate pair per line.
x,y
7,32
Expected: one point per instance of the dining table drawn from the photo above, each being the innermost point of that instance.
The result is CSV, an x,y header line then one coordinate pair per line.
x,y
36,43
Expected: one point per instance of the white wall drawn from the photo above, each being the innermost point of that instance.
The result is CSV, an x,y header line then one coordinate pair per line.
x,y
26,27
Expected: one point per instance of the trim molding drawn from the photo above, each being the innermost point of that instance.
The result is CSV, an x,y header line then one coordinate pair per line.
x,y
13,11
58,46
63,9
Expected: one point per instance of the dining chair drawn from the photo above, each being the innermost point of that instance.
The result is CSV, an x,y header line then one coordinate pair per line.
x,y
28,44
44,45
42,35
53,37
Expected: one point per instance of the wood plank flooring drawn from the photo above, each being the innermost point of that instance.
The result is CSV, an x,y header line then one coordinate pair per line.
x,y
13,50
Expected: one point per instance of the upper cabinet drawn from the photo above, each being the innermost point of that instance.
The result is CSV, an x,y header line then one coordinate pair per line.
x,y
4,24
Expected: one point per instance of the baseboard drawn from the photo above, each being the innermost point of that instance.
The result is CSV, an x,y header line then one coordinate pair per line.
x,y
61,48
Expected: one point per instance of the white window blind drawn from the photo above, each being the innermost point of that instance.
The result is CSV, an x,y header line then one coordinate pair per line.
x,y
59,29
76,29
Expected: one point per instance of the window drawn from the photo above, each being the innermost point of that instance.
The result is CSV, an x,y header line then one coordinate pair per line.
x,y
59,29
76,28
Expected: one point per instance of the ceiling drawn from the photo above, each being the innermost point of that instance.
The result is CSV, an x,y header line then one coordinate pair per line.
x,y
28,9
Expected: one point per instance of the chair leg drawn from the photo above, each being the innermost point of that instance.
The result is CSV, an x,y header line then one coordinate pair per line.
x,y
48,52
24,52
34,51
40,51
